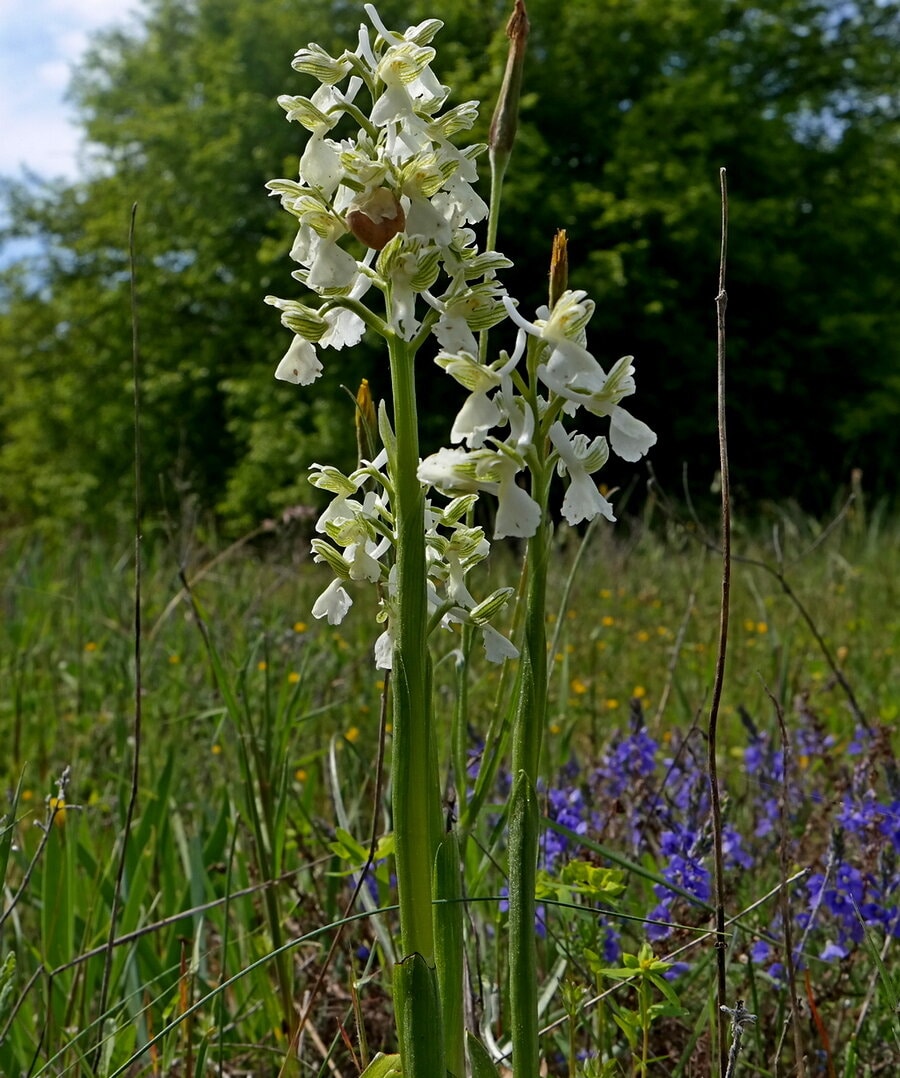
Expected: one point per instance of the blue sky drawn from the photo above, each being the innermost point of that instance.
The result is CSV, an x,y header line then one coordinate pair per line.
x,y
39,41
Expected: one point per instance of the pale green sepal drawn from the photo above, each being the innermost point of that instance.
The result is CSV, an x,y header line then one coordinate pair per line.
x,y
383,1066
304,321
459,118
488,608
427,269
424,31
315,61
333,558
455,510
327,477
485,265
479,1060
304,111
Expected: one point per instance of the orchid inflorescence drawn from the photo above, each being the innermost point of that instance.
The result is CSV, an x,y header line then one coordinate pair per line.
x,y
406,192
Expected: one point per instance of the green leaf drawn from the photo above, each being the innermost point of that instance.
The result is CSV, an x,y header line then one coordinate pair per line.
x,y
480,1061
383,1066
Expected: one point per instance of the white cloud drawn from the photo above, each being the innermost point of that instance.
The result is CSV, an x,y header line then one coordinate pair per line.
x,y
40,40
54,75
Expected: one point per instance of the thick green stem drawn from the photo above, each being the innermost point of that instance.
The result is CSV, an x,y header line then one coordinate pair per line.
x,y
524,824
415,788
416,801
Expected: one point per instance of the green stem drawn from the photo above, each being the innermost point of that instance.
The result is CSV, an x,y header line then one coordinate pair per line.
x,y
416,798
416,793
524,827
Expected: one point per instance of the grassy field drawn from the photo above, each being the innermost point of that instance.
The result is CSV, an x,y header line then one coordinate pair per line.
x,y
257,787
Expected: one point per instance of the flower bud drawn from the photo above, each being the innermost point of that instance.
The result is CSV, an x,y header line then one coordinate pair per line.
x,y
366,423
559,267
375,218
506,114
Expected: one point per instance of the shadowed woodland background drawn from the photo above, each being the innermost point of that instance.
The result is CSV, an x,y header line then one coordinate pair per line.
x,y
630,108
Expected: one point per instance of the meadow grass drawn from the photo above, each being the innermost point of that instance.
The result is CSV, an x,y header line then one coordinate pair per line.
x,y
258,782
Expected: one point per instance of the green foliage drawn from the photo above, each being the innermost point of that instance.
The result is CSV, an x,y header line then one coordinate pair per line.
x,y
594,883
795,97
297,695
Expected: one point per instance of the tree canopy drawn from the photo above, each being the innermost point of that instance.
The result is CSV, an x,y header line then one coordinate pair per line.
x,y
630,109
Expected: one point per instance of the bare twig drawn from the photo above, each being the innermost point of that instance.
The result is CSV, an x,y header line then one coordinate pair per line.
x,y
740,1017
715,803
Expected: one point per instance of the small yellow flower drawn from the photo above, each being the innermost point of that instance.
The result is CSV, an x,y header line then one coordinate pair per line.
x,y
352,734
57,807
558,657
216,750
262,665
750,625
28,795
607,620
293,677
642,636
605,593
578,686
90,646
762,627
174,660
555,728
639,692
300,774
612,704
300,626
571,614
379,685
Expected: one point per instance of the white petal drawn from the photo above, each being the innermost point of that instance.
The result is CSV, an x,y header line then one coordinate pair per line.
x,y
454,335
333,267
333,603
440,470
518,514
475,419
496,646
362,565
320,165
300,364
583,501
384,651
629,437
